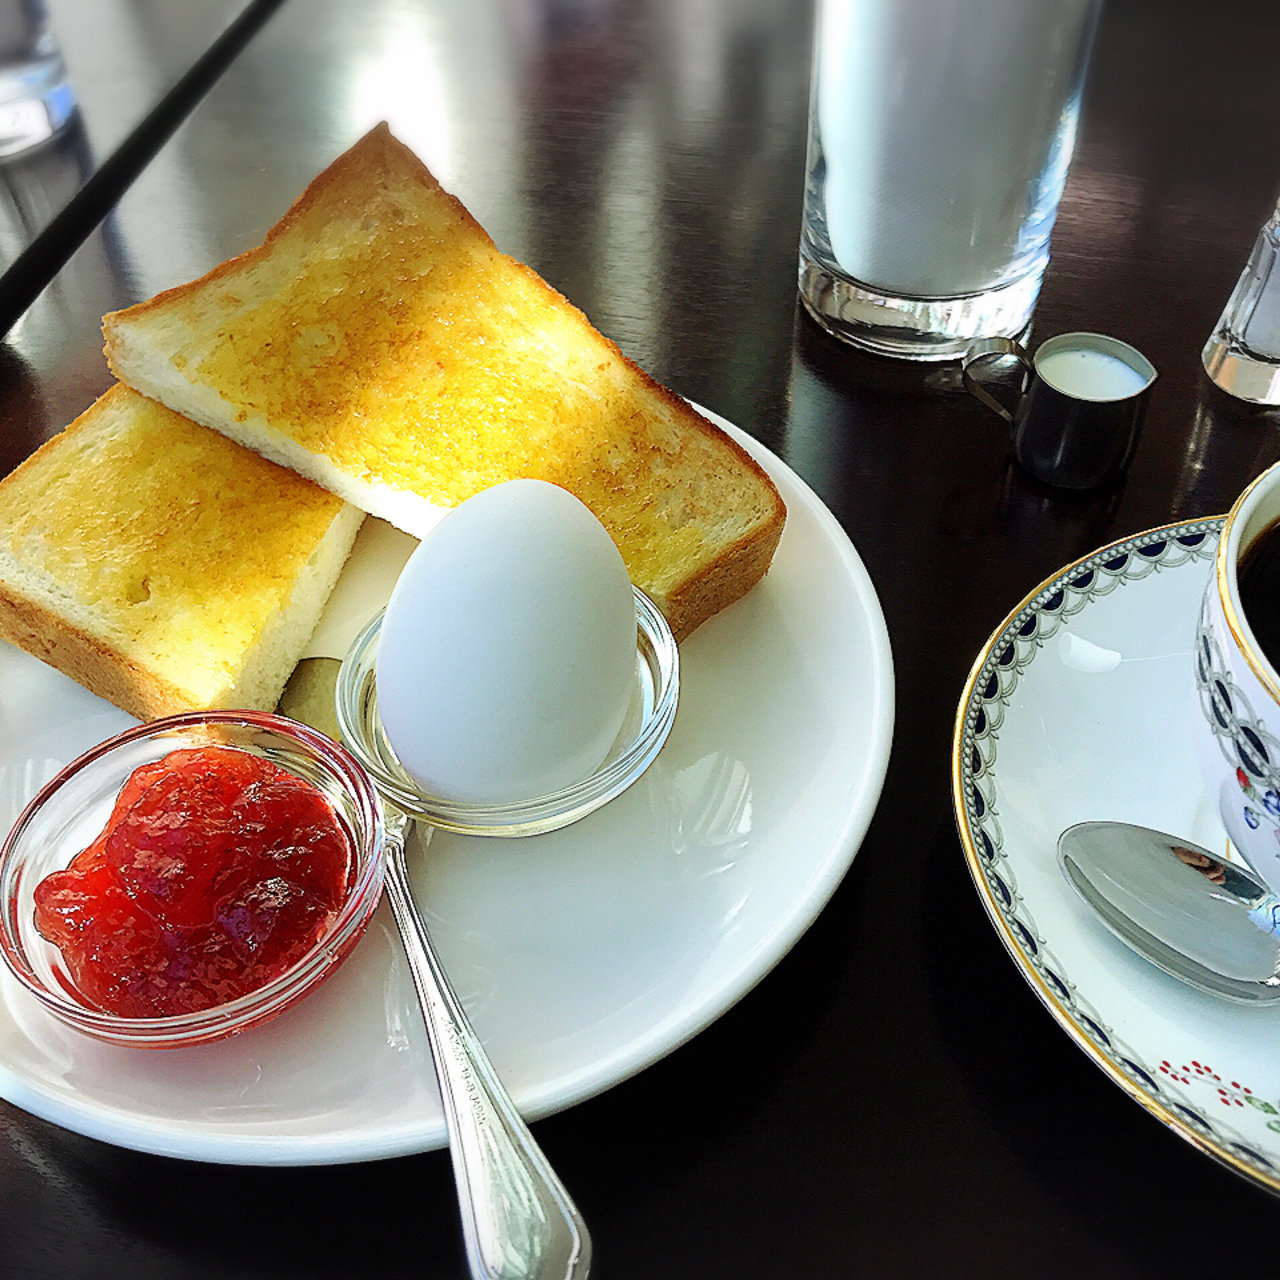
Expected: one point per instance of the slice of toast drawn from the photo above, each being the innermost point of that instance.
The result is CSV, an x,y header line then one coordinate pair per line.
x,y
161,565
378,343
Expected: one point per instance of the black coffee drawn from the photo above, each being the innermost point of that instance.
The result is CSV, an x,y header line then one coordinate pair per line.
x,y
1259,579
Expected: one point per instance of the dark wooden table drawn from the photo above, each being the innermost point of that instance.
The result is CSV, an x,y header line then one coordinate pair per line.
x,y
892,1100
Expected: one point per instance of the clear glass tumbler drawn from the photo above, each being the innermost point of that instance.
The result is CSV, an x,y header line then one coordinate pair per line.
x,y
35,99
940,132
1243,353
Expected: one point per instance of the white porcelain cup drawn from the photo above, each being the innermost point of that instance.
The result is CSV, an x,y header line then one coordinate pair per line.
x,y
1238,737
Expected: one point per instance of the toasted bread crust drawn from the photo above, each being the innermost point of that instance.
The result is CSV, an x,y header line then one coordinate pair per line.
x,y
88,660
443,460
722,581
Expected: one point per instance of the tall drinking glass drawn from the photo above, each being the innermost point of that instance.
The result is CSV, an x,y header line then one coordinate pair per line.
x,y
940,132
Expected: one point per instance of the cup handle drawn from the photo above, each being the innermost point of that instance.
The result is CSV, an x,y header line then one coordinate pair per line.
x,y
979,350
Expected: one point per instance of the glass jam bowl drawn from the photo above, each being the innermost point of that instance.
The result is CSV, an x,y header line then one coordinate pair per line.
x,y
69,813
649,719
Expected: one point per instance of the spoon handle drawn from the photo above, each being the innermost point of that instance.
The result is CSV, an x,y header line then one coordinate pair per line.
x,y
518,1222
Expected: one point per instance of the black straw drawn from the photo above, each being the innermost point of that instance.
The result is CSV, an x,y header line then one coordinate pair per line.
x,y
44,257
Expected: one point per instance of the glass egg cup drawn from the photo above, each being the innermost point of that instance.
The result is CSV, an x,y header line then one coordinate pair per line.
x,y
646,727
71,811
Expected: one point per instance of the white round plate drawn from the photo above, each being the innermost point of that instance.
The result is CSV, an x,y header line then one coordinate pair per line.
x,y
582,955
1082,706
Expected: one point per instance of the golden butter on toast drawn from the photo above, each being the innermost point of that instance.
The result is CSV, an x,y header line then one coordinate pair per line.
x,y
378,343
163,566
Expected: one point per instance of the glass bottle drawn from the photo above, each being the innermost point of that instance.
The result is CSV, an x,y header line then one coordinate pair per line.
x,y
1243,353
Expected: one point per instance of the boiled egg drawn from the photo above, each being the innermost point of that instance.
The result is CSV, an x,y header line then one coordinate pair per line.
x,y
507,655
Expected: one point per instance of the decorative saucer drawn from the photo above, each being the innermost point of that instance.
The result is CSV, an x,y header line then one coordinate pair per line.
x,y
1081,706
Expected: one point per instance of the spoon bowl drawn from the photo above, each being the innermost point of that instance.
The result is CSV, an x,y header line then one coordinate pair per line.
x,y
1208,922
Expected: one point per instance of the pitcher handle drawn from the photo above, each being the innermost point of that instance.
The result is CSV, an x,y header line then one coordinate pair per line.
x,y
979,350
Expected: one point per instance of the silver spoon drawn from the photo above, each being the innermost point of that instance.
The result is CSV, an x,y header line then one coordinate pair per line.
x,y
1203,920
518,1222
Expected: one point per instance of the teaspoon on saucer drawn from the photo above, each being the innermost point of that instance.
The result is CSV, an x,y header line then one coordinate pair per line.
x,y
518,1221
1206,921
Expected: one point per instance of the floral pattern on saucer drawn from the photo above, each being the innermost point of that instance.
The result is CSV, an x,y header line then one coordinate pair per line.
x,y
1174,1092
1230,1093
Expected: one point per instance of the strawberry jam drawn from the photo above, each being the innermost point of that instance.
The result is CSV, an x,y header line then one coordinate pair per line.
x,y
217,871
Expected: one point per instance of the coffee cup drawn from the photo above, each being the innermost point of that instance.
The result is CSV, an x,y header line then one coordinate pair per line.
x,y
1237,675
1079,409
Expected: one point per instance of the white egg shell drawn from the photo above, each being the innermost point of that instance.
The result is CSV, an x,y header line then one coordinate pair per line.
x,y
507,657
